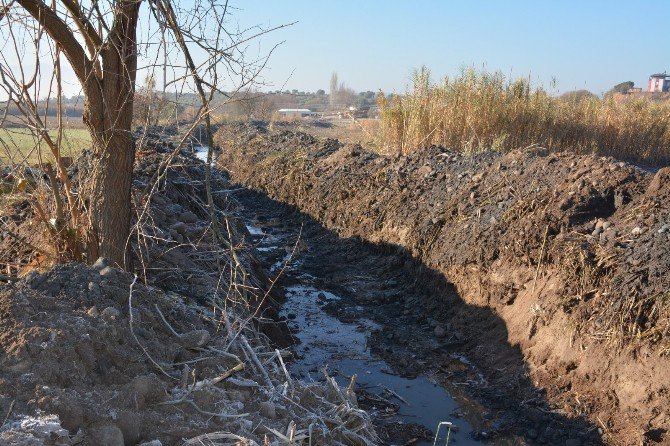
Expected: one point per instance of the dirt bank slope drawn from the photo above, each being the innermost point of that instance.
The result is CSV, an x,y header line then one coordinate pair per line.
x,y
572,252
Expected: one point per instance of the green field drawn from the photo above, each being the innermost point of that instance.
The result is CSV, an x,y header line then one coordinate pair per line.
x,y
18,145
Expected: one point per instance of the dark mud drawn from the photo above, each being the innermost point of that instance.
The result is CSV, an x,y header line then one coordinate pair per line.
x,y
377,328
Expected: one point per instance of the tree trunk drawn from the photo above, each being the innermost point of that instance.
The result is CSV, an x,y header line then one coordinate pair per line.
x,y
108,112
110,204
110,123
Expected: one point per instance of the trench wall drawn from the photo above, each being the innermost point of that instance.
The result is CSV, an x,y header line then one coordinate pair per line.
x,y
571,252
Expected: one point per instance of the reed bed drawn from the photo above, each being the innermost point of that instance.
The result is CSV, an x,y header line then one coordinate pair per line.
x,y
477,111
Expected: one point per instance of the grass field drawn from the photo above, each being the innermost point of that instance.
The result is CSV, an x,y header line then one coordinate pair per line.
x,y
18,145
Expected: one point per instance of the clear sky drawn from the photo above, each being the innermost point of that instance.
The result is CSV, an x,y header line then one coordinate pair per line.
x,y
375,44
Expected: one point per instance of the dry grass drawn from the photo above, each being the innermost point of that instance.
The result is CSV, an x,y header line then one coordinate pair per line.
x,y
478,110
348,131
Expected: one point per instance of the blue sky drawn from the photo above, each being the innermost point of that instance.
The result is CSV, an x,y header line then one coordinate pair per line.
x,y
375,44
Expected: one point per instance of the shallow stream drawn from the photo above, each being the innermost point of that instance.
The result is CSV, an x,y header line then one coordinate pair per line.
x,y
343,348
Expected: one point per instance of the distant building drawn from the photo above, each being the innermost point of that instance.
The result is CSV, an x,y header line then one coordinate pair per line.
x,y
634,90
658,83
292,113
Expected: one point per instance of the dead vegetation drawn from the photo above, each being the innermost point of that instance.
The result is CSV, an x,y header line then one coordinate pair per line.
x,y
477,111
155,374
179,353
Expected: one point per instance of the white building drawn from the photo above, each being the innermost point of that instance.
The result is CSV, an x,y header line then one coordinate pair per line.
x,y
658,83
294,113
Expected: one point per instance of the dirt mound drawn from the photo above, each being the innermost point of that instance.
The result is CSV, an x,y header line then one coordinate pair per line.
x,y
571,252
171,354
121,363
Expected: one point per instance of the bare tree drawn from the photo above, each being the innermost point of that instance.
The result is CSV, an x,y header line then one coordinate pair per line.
x,y
334,86
149,105
101,48
252,104
99,40
340,95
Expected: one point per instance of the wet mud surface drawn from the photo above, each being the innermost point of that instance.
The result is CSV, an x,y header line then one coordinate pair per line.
x,y
358,308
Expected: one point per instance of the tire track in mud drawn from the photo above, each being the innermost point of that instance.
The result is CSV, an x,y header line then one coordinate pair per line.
x,y
361,308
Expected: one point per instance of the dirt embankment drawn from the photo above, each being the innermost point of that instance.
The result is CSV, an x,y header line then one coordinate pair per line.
x,y
173,355
571,252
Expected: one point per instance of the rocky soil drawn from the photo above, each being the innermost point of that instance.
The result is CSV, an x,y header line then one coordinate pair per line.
x,y
554,267
183,350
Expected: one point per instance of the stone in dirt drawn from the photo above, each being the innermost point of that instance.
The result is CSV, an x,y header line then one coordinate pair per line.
x,y
194,339
440,331
105,434
180,227
110,313
268,409
107,271
660,182
189,217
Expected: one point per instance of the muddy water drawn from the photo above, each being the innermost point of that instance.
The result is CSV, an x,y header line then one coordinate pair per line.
x,y
343,348
201,153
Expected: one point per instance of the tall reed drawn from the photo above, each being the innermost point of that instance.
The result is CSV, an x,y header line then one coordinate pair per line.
x,y
477,110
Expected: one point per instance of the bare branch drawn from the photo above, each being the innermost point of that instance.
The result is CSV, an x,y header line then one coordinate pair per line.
x,y
60,32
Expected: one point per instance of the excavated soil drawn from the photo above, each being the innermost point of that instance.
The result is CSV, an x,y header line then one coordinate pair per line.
x,y
548,271
176,353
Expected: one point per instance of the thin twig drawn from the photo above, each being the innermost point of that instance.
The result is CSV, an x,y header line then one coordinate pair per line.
x,y
166,322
